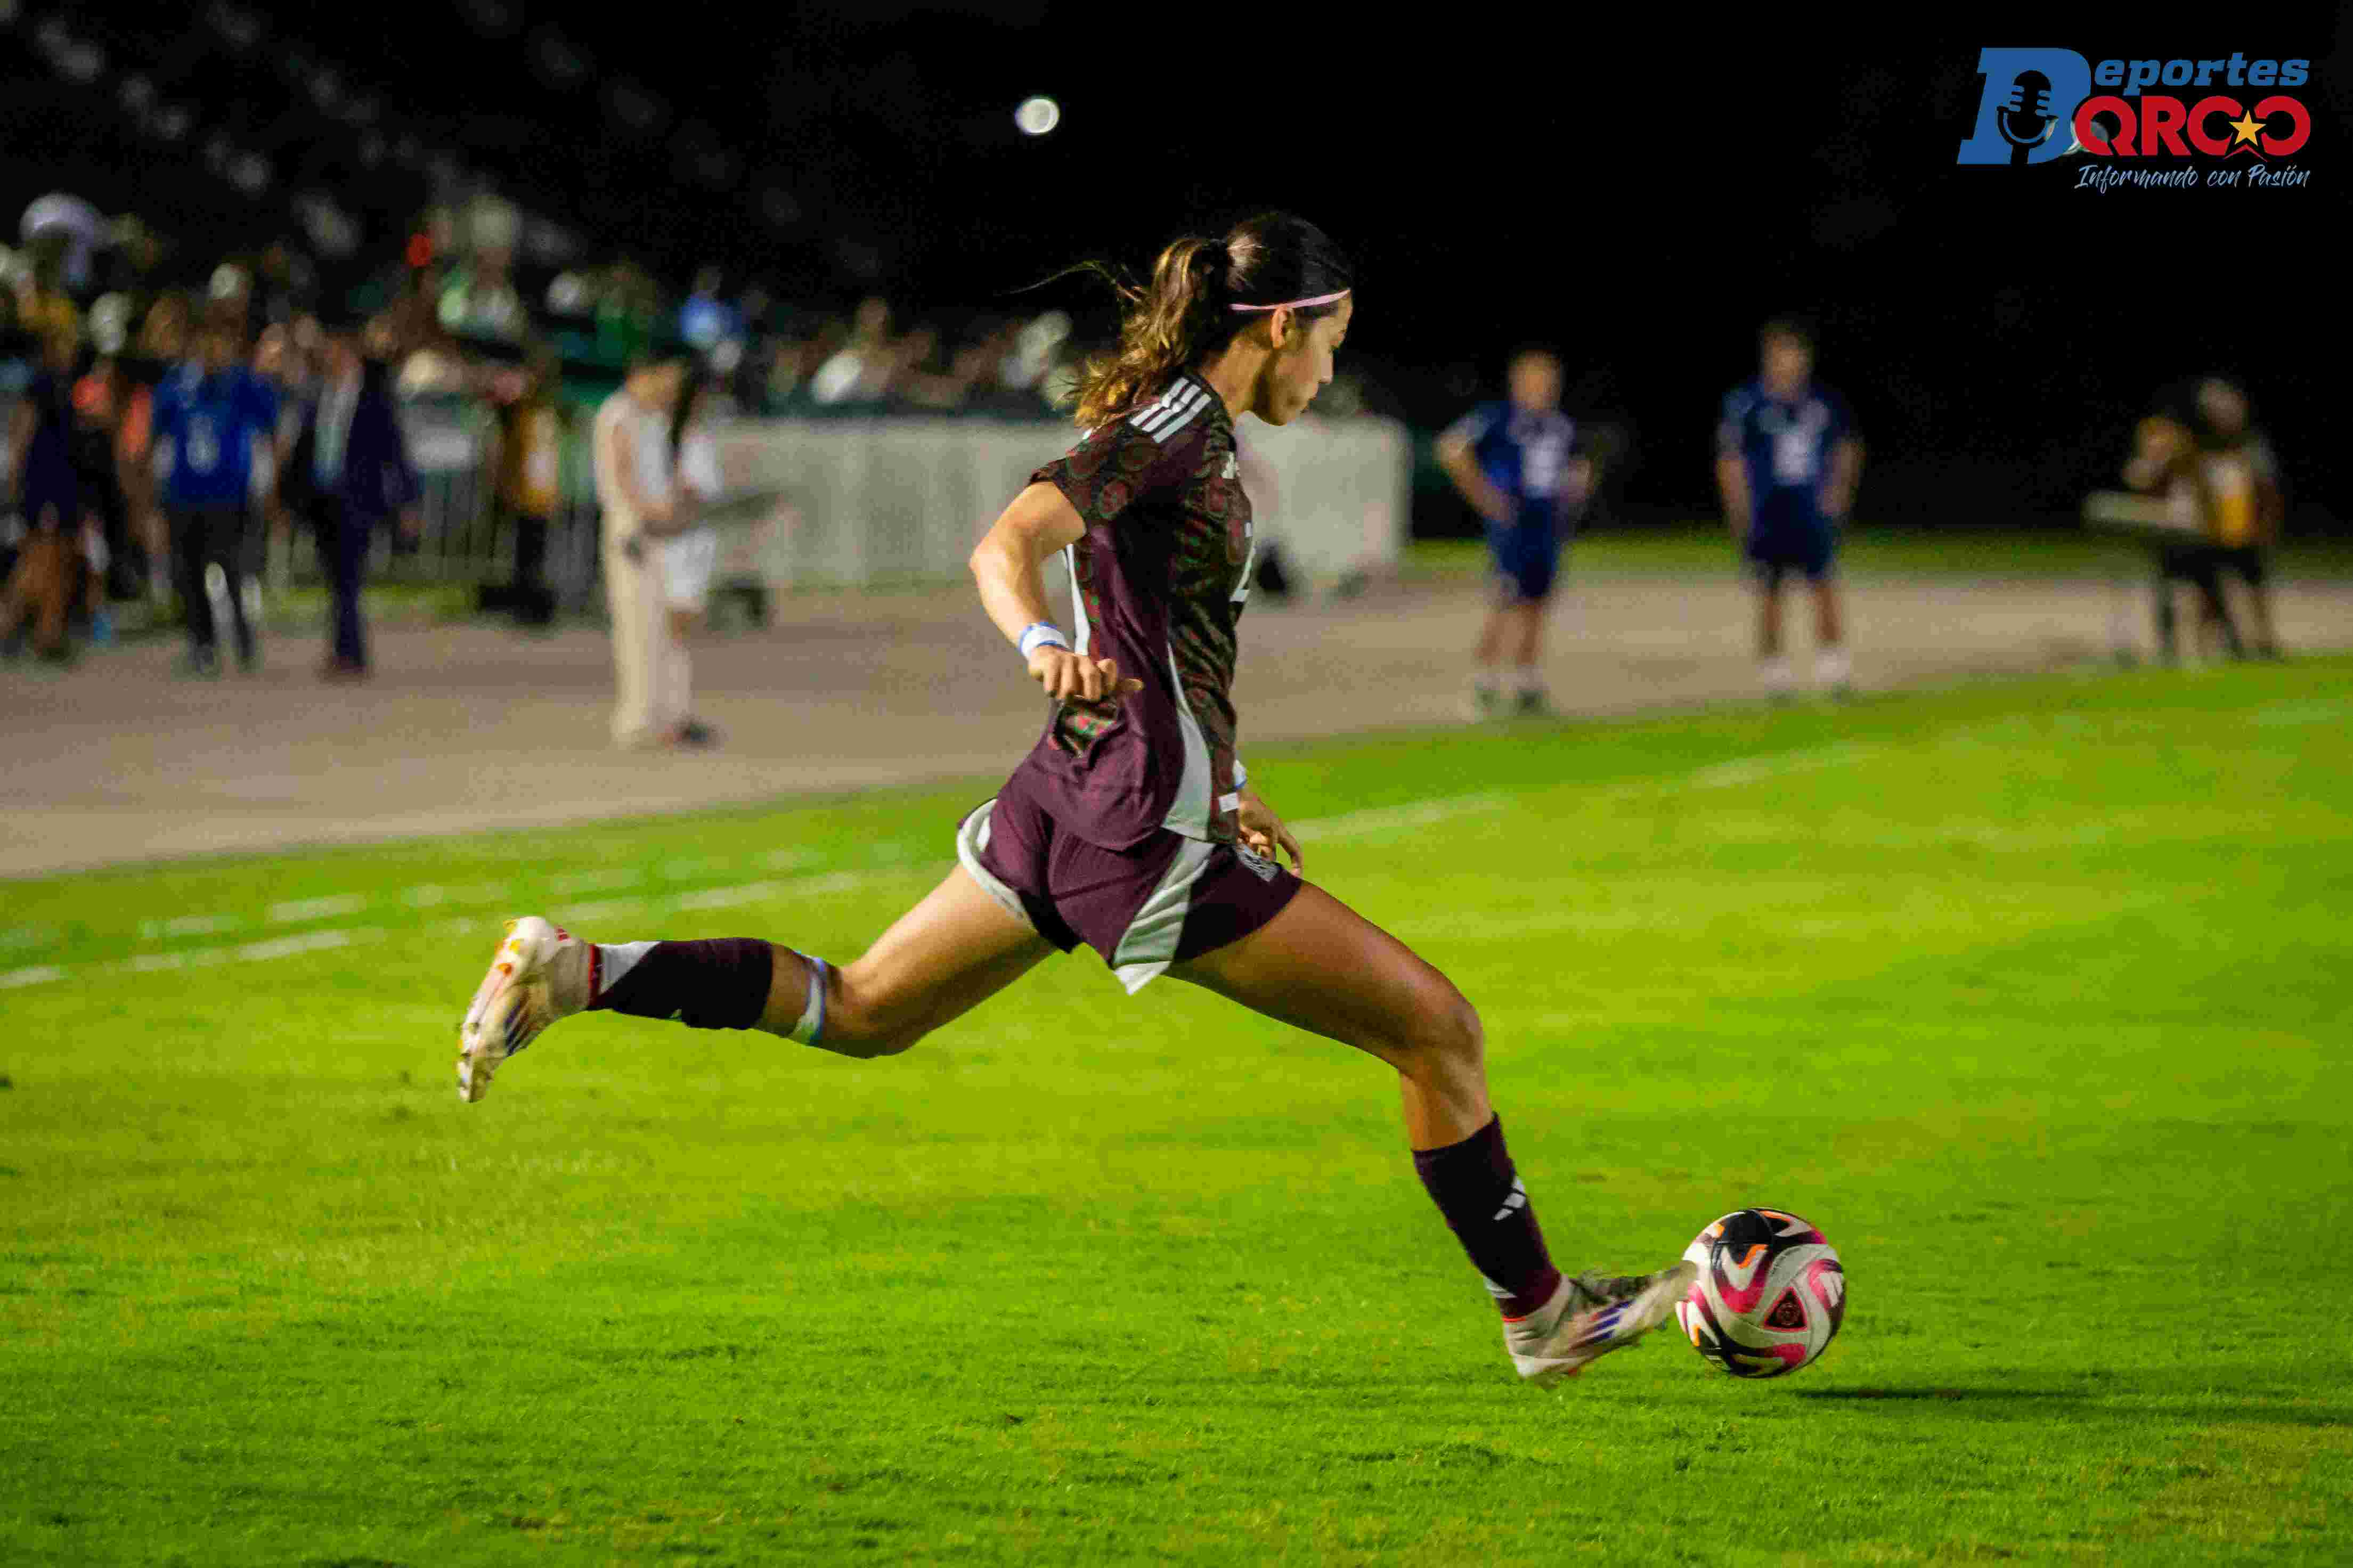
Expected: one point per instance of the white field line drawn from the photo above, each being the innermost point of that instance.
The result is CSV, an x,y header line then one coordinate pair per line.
x,y
191,925
1416,814
294,911
1772,764
248,952
324,941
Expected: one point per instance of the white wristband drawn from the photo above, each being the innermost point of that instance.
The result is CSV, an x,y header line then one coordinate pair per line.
x,y
1041,634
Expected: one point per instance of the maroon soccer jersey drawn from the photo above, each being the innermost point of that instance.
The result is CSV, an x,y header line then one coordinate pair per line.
x,y
1159,578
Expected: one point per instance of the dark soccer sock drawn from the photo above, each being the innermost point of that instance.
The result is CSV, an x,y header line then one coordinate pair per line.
x,y
718,985
1475,1187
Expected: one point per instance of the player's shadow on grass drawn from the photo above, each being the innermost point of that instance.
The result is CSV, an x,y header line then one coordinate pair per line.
x,y
1973,1395
2118,1404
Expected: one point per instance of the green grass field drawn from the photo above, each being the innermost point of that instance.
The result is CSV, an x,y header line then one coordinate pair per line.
x,y
2033,995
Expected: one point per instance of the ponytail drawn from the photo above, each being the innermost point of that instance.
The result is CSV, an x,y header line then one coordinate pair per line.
x,y
1204,291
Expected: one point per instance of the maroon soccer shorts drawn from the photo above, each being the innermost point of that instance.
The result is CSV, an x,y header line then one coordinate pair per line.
x,y
1161,902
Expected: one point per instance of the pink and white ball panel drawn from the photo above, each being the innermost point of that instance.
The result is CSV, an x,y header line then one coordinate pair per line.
x,y
1770,1293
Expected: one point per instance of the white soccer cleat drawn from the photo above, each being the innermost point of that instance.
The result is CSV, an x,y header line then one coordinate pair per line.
x,y
540,975
1590,1316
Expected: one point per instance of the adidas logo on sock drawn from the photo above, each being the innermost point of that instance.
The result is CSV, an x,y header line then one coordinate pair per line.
x,y
1518,1200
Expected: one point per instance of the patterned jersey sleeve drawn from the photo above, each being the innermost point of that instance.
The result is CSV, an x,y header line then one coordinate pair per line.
x,y
1113,466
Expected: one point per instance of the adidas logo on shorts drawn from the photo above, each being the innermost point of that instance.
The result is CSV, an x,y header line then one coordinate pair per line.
x,y
1259,865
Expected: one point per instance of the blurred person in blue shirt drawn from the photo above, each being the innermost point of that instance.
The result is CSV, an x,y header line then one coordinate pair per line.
x,y
1787,462
209,414
1518,464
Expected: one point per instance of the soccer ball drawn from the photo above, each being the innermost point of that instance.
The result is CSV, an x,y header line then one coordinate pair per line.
x,y
1770,1293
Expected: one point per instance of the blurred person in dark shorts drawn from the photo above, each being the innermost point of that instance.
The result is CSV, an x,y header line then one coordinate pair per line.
x,y
1517,463
1787,463
114,413
2247,501
348,472
49,493
209,414
527,480
2201,453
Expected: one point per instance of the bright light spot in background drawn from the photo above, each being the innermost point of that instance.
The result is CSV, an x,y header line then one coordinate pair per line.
x,y
1038,115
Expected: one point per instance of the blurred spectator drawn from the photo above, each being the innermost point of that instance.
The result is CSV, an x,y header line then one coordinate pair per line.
x,y
1039,349
108,322
690,557
347,473
480,299
2201,453
110,399
105,401
2242,481
209,415
285,284
228,299
72,232
706,320
860,371
429,361
631,447
794,364
527,463
628,311
918,383
41,442
163,335
42,307
133,262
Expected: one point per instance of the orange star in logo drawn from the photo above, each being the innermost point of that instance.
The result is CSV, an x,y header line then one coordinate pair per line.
x,y
2248,128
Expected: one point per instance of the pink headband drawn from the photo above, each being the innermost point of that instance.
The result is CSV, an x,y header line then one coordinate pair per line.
x,y
1293,304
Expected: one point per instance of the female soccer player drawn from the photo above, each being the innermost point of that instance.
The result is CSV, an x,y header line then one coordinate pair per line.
x,y
1131,826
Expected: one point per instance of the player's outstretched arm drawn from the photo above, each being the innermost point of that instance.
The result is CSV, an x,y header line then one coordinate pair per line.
x,y
1004,565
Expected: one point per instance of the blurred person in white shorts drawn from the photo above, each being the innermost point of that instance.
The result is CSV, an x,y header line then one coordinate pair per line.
x,y
690,557
642,510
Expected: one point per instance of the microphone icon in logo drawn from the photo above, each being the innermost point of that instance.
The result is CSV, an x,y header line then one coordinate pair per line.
x,y
2024,118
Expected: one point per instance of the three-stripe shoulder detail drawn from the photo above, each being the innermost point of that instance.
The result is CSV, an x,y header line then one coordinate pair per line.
x,y
1172,411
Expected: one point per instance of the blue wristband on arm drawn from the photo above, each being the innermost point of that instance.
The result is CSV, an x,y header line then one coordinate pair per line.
x,y
1041,634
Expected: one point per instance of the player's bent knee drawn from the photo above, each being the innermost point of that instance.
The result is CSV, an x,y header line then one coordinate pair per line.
x,y
1447,1035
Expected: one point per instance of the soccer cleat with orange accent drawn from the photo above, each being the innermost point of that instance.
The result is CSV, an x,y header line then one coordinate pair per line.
x,y
540,973
1590,1316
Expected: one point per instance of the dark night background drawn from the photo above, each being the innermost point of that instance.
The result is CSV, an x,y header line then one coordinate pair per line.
x,y
1641,192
